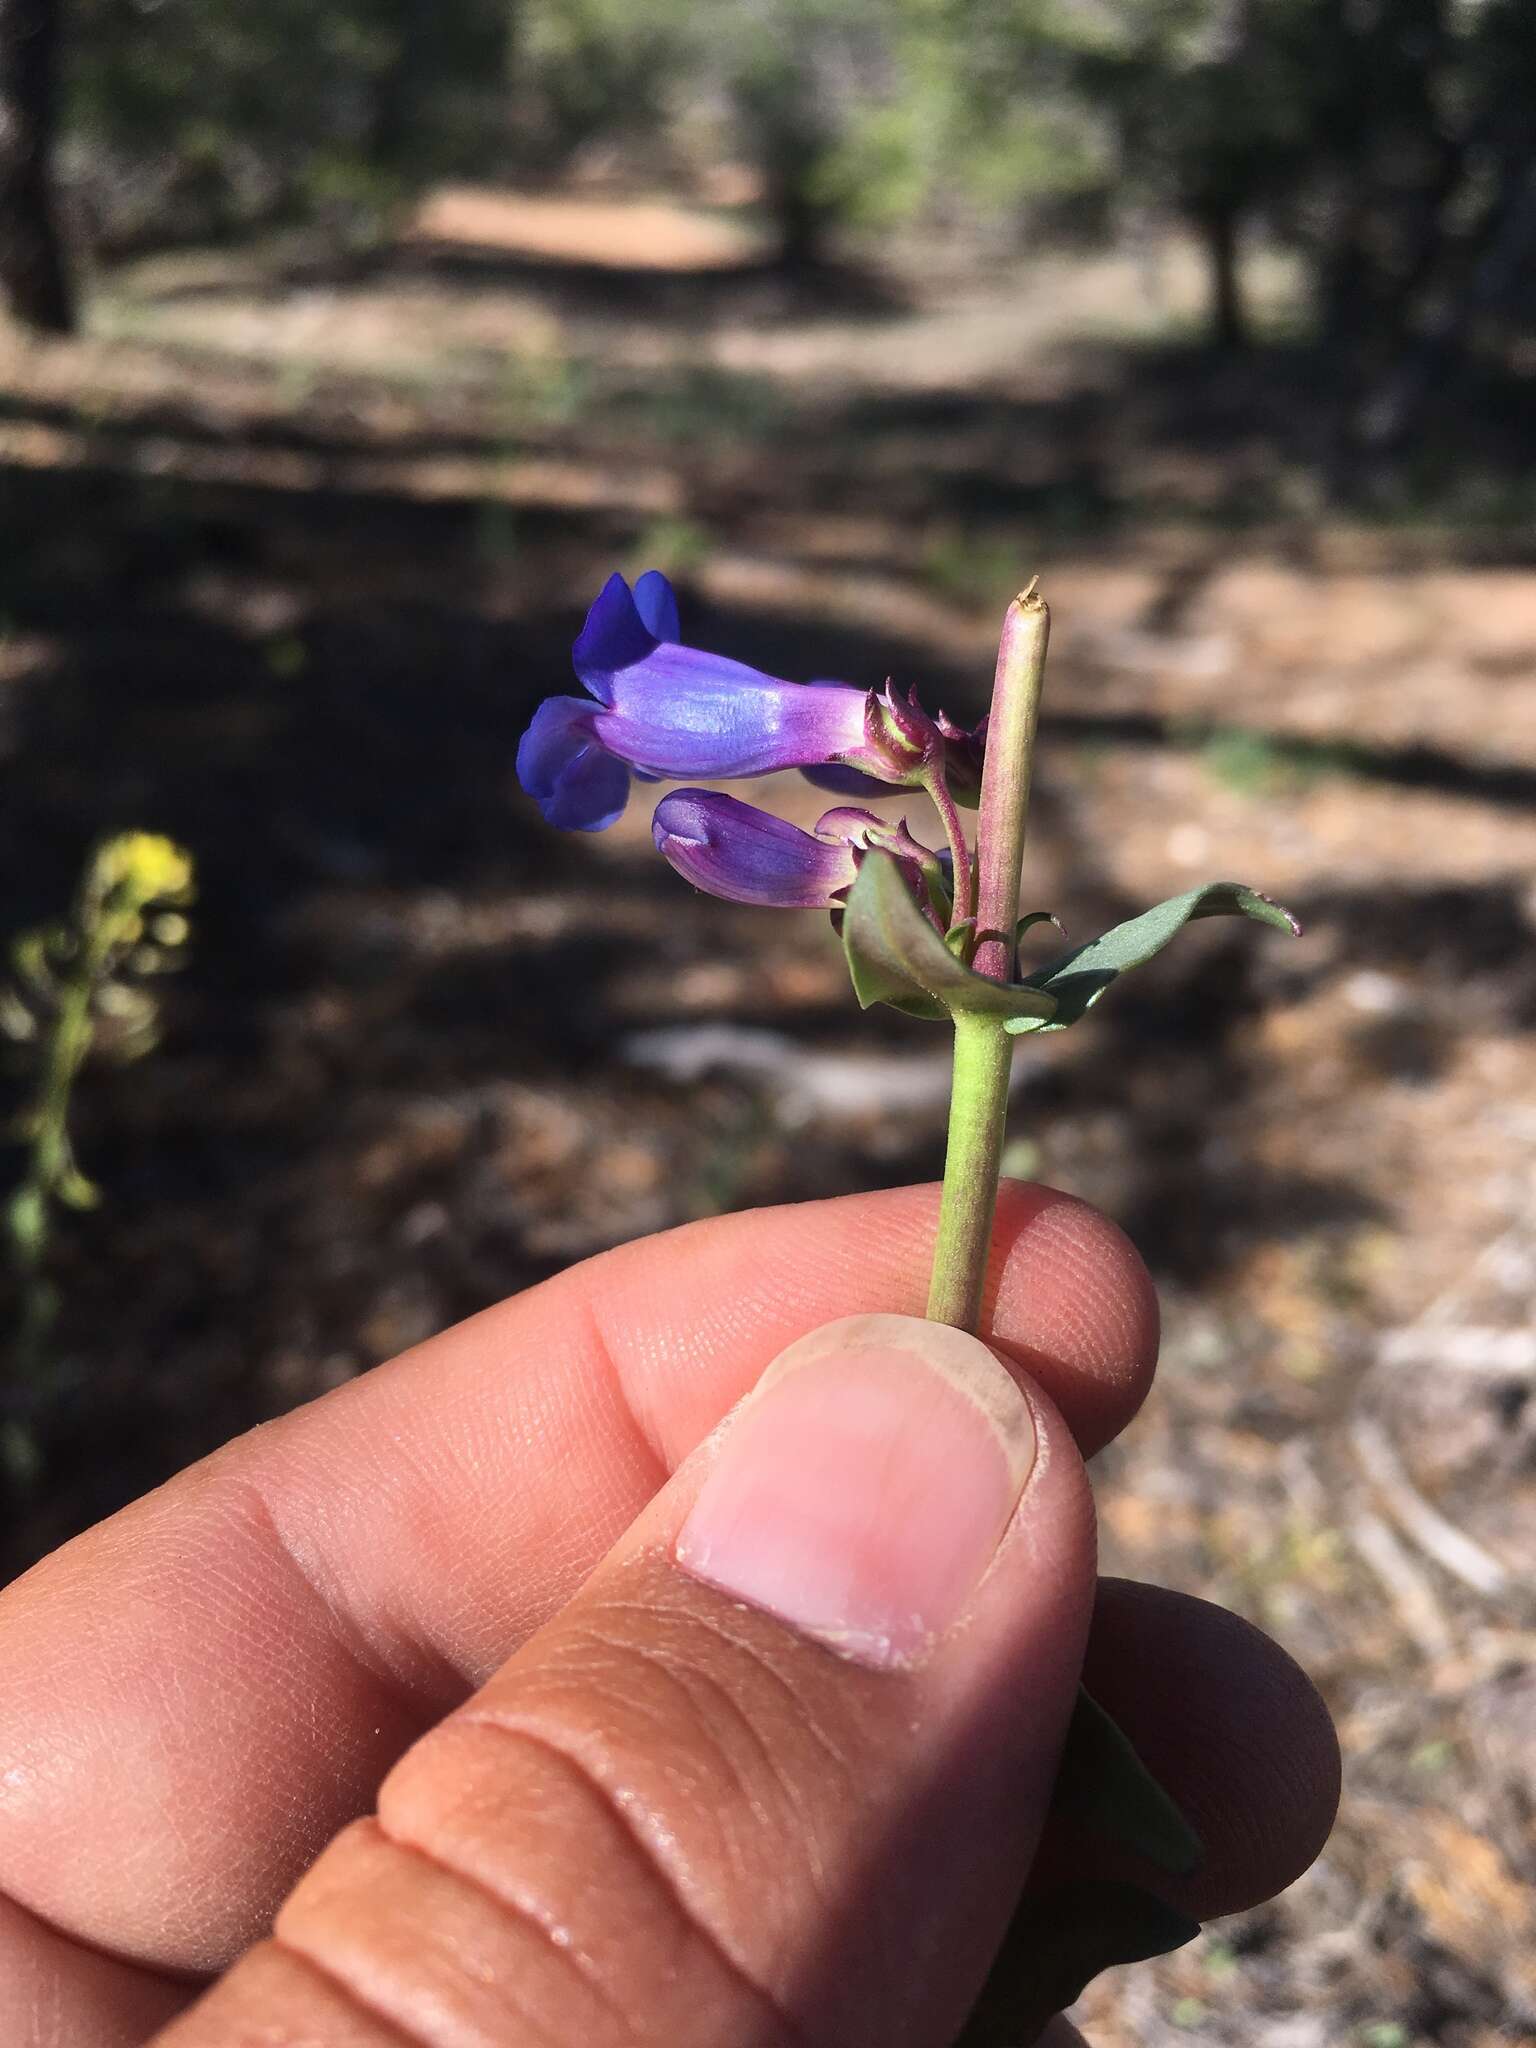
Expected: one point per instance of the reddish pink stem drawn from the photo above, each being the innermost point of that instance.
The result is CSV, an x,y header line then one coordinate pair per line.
x,y
1005,779
954,831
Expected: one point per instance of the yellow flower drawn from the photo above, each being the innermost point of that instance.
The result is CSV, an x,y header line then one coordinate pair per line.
x,y
146,867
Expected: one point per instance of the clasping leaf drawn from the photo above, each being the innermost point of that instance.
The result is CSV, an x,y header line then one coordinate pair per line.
x,y
896,956
1077,979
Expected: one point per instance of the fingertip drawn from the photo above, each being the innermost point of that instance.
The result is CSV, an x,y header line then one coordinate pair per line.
x,y
1231,1725
691,1317
1060,2033
1071,1300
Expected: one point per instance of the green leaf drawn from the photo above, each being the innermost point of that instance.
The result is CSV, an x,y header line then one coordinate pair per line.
x,y
896,956
1056,1944
1103,1785
1077,979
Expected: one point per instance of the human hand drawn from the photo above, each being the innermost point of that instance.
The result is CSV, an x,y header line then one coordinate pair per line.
x,y
636,1809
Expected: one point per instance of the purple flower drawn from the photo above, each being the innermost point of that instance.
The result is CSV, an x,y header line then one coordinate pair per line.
x,y
660,709
734,850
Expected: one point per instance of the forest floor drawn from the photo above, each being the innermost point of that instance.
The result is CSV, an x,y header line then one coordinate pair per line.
x,y
293,547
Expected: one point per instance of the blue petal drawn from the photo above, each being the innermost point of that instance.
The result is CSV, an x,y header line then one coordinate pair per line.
x,y
734,850
564,767
592,793
656,602
614,637
559,727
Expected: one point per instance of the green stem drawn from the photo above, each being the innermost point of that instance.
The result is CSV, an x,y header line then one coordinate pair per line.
x,y
978,1104
29,1213
50,1164
68,1043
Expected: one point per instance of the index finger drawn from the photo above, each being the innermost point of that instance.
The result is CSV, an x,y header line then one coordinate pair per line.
x,y
197,1694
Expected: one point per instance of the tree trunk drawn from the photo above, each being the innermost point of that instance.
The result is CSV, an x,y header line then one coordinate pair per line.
x,y
1229,319
1399,405
34,274
779,103
397,94
800,223
793,152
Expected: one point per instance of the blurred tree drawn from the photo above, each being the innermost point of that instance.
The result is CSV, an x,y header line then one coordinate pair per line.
x,y
202,117
593,71
783,80
1417,206
1209,111
1187,109
831,103
1390,142
396,119
980,122
34,273
791,135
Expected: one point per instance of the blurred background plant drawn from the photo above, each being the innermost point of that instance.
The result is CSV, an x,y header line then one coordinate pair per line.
x,y
81,986
351,349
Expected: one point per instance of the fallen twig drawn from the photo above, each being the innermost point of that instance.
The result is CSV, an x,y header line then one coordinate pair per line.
x,y
1451,1548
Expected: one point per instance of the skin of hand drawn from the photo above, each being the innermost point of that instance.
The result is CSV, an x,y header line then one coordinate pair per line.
x,y
640,1661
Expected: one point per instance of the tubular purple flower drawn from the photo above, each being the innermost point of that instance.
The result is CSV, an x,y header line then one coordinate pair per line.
x,y
660,709
663,709
734,850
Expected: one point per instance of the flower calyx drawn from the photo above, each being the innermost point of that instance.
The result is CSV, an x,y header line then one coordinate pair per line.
x,y
865,832
903,746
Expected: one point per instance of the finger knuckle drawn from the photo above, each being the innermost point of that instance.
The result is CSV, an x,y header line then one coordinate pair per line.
x,y
658,1789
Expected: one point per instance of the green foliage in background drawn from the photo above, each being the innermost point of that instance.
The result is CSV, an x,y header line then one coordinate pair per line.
x,y
80,986
587,72
982,114
1389,142
199,117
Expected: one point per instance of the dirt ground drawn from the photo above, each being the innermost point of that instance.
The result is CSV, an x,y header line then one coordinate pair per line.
x,y
293,547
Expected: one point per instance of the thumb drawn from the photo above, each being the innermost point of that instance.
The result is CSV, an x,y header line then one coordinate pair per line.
x,y
775,1775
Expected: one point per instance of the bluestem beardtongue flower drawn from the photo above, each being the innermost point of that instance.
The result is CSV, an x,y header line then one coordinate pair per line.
x,y
933,936
660,709
732,849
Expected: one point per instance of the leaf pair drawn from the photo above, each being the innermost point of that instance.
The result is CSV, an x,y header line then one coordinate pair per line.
x,y
896,956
